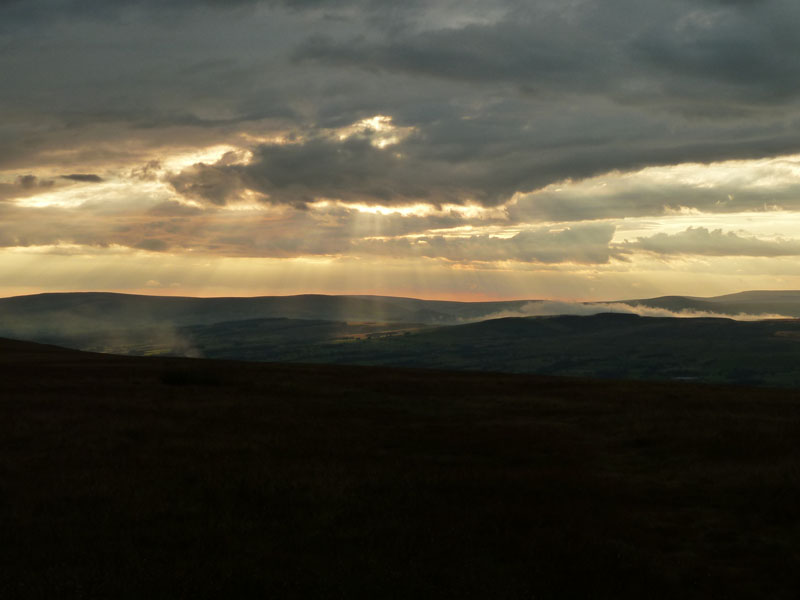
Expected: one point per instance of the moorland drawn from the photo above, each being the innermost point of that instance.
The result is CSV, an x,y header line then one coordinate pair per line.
x,y
133,477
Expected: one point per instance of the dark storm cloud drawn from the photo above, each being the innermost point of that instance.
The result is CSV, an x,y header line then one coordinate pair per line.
x,y
439,166
499,53
216,184
353,170
502,96
659,53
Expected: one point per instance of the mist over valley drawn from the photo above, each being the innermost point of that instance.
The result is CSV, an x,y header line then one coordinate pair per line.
x,y
750,337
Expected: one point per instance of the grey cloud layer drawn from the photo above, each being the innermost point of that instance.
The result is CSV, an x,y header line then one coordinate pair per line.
x,y
704,242
649,199
322,231
353,170
24,185
504,96
334,230
588,244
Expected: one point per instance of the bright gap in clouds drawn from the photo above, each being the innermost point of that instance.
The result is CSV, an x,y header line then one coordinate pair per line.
x,y
767,224
210,155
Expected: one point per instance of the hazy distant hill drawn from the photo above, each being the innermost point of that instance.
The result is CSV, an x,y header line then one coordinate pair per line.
x,y
761,296
59,317
56,317
757,302
379,330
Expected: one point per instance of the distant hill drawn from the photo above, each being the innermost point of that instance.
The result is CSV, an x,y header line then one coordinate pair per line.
x,y
761,296
62,316
757,302
47,317
376,330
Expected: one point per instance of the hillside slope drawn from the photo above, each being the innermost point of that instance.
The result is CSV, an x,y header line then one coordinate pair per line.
x,y
603,345
133,477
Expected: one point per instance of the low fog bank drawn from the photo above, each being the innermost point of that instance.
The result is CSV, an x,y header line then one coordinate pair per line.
x,y
543,308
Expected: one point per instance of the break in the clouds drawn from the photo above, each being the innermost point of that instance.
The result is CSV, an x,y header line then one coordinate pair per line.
x,y
572,136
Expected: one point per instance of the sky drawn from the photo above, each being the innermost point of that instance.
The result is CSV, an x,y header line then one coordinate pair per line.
x,y
471,149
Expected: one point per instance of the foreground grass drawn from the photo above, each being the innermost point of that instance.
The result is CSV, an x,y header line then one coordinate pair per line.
x,y
136,477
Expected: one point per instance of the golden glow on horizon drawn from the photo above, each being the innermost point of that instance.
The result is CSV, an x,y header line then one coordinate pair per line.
x,y
31,270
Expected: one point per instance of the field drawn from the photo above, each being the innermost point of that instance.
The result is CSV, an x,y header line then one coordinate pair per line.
x,y
166,477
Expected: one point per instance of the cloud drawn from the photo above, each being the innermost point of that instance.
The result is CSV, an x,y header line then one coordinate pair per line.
x,y
500,130
83,177
587,244
24,186
112,217
153,245
504,97
171,208
674,50
27,182
704,242
724,187
352,170
216,184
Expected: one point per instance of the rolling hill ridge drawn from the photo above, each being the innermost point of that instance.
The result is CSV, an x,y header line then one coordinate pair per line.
x,y
375,330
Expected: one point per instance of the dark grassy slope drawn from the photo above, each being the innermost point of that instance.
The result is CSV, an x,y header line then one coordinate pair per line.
x,y
132,477
605,345
275,339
